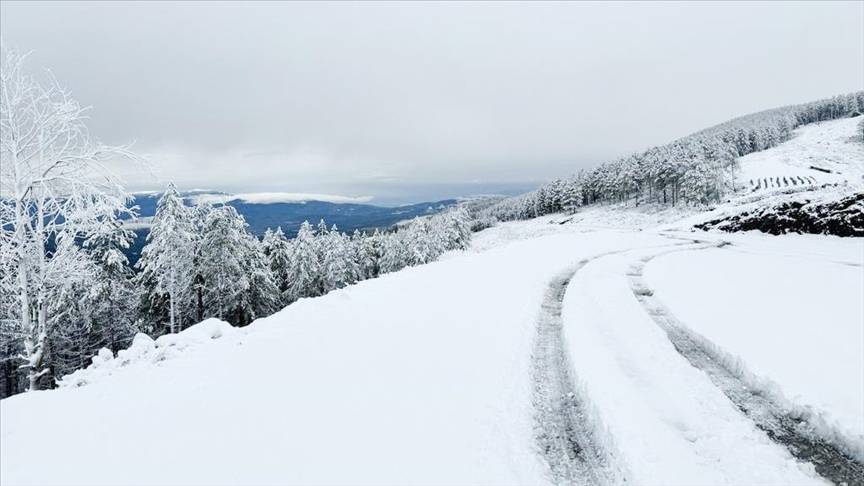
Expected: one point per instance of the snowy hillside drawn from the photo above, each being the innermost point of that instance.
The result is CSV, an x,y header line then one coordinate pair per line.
x,y
476,284
819,153
611,346
439,385
614,345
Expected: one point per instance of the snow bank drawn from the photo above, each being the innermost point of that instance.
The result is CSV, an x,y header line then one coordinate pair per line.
x,y
144,351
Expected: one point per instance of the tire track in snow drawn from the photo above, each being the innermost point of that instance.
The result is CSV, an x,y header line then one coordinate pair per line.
x,y
789,428
567,432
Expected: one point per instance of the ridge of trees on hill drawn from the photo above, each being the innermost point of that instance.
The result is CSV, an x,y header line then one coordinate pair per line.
x,y
698,169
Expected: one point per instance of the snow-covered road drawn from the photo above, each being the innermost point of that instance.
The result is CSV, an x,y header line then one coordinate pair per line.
x,y
807,437
430,375
669,422
743,431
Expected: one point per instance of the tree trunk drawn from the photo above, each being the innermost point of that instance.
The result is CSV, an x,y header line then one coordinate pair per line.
x,y
171,303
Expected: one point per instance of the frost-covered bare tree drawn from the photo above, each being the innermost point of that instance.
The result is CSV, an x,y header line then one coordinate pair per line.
x,y
56,191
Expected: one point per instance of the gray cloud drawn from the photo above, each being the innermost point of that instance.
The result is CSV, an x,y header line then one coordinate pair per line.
x,y
353,97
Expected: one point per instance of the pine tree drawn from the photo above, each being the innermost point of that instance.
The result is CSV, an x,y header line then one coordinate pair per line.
x,y
167,260
305,267
368,251
394,255
278,250
422,243
114,295
230,258
199,215
338,268
263,297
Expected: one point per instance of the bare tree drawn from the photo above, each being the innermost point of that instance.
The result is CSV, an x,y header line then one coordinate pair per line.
x,y
55,191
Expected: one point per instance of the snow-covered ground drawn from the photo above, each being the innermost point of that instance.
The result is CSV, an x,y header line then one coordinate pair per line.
x,y
430,375
792,311
423,376
831,145
670,423
418,376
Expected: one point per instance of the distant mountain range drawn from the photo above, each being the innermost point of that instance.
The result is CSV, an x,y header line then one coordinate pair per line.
x,y
288,211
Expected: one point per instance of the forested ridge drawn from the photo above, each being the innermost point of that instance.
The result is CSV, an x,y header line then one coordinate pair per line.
x,y
697,169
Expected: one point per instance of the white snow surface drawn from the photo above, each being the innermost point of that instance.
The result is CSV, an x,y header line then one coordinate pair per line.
x,y
670,423
421,376
424,376
834,145
790,308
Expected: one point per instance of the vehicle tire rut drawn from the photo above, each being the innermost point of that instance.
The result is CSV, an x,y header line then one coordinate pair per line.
x,y
567,432
792,429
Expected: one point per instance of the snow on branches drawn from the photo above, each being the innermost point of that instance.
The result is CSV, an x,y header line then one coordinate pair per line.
x,y
56,194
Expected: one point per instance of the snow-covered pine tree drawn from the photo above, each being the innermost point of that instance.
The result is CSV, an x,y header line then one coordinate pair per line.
x,y
56,191
422,241
352,268
368,254
278,250
322,229
462,221
394,253
305,268
194,310
167,266
338,268
571,197
238,282
263,297
114,296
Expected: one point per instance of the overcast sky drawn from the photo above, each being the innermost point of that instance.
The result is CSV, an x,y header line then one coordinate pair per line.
x,y
412,100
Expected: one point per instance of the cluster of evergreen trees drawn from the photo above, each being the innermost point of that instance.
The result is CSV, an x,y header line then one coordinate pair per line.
x,y
199,262
697,169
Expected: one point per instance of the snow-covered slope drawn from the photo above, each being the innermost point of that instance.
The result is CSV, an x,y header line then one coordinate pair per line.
x,y
830,145
614,345
424,376
418,376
